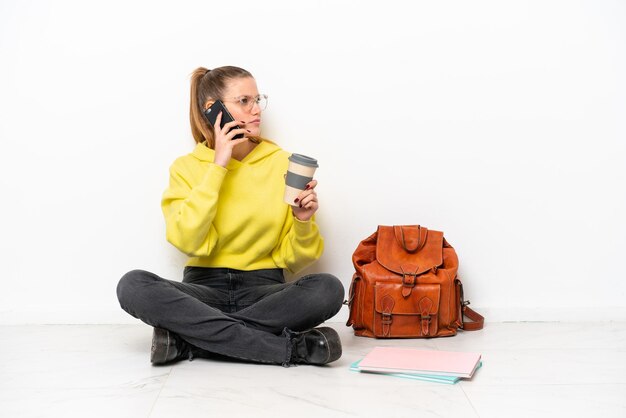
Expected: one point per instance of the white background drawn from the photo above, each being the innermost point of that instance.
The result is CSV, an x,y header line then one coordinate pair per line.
x,y
500,123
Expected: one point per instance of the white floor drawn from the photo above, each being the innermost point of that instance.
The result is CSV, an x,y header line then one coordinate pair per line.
x,y
530,370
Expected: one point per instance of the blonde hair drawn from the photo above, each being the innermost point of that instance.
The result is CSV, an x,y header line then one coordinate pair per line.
x,y
208,85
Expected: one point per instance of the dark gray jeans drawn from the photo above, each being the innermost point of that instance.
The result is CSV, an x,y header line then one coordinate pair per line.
x,y
235,313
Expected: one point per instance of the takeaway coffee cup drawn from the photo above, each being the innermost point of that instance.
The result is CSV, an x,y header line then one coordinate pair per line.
x,y
300,172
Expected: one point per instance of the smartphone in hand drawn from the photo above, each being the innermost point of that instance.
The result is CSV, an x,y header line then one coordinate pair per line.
x,y
212,112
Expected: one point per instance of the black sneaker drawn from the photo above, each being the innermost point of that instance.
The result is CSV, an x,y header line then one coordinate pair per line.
x,y
317,346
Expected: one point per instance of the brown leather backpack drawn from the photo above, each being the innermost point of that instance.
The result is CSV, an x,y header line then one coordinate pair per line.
x,y
406,286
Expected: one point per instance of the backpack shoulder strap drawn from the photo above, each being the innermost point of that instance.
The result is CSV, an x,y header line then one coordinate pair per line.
x,y
478,321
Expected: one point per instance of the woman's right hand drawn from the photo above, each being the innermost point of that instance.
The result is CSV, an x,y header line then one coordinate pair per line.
x,y
224,142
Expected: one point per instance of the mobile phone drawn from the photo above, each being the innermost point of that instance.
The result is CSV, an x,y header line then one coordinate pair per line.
x,y
215,109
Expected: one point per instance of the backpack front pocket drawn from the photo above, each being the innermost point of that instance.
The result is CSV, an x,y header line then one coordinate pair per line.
x,y
412,316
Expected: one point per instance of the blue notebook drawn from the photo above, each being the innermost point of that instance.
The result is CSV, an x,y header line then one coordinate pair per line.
x,y
449,380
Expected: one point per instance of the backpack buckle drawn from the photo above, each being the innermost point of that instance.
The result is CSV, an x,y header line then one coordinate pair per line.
x,y
408,284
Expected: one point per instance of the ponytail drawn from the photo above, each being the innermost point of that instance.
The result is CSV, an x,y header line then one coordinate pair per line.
x,y
208,85
200,128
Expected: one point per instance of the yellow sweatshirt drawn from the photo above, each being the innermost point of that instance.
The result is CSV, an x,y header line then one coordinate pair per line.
x,y
235,217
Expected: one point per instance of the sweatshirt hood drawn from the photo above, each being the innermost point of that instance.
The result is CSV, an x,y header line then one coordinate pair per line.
x,y
260,152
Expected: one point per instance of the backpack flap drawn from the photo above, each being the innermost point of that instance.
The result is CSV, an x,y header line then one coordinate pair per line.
x,y
409,250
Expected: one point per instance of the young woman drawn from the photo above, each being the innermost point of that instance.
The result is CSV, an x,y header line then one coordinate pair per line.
x,y
224,208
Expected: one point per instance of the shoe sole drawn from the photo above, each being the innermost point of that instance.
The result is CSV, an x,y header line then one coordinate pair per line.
x,y
160,346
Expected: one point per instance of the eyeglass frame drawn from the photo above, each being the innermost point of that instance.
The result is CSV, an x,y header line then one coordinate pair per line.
x,y
249,107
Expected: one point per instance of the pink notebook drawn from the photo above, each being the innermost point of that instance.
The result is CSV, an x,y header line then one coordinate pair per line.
x,y
412,360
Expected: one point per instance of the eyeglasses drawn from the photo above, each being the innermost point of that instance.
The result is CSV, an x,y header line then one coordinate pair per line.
x,y
247,102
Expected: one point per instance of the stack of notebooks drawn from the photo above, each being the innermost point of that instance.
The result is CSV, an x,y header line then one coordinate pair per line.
x,y
433,366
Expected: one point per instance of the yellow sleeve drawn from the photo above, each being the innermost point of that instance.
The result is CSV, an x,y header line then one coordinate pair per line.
x,y
189,209
300,246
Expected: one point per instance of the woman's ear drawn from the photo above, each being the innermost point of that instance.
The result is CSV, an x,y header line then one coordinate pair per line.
x,y
208,104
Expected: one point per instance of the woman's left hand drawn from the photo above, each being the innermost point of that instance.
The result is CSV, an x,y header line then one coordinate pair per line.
x,y
307,201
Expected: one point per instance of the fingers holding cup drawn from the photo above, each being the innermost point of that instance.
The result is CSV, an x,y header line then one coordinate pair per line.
x,y
306,204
